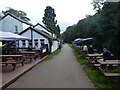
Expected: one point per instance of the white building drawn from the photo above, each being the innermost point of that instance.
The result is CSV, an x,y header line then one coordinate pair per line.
x,y
11,23
37,36
55,42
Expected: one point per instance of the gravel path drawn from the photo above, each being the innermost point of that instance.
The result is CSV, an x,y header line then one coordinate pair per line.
x,y
62,71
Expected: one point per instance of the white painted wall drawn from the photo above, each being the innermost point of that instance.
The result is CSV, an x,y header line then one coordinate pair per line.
x,y
38,36
35,36
26,34
54,46
8,24
1,25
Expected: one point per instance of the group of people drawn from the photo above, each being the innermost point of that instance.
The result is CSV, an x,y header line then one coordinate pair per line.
x,y
106,53
30,48
87,49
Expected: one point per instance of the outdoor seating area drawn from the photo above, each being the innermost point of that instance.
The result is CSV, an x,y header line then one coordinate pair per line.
x,y
12,55
20,58
96,59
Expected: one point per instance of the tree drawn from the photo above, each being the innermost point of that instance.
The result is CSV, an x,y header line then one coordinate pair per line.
x,y
58,31
49,19
22,15
98,4
51,23
104,27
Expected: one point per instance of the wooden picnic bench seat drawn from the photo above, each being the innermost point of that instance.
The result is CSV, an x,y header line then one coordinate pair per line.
x,y
107,74
13,63
96,65
29,55
112,74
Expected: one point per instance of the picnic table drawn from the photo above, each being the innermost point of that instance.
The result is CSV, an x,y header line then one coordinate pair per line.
x,y
29,55
93,57
104,67
8,59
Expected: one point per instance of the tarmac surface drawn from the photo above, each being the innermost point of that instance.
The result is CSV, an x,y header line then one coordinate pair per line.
x,y
62,71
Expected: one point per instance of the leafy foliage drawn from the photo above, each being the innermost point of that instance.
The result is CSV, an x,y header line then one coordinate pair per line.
x,y
104,26
49,20
22,15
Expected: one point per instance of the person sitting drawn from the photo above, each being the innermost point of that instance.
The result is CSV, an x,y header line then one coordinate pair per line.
x,y
36,47
85,49
106,54
90,49
29,48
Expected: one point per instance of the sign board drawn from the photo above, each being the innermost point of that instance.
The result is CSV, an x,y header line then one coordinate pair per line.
x,y
44,50
0,43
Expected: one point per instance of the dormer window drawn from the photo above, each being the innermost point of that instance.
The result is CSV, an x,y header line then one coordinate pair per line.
x,y
16,29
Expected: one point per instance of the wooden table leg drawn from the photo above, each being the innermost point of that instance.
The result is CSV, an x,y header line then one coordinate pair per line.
x,y
104,67
14,65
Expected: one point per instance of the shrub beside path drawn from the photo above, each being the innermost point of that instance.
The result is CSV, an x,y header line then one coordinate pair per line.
x,y
62,71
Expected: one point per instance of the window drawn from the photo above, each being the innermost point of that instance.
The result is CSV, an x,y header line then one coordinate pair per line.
x,y
30,42
16,29
23,43
42,42
36,42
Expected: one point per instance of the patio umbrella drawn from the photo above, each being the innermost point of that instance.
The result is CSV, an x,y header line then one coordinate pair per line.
x,y
8,36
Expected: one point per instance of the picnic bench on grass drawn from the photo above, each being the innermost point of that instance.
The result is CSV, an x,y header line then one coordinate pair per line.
x,y
103,66
93,57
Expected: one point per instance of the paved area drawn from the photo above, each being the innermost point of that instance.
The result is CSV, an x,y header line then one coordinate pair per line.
x,y
7,76
62,71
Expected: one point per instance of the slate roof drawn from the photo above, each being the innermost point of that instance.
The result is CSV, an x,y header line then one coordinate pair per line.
x,y
43,33
43,27
22,21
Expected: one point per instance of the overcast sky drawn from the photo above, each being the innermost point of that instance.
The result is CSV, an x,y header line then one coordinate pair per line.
x,y
68,12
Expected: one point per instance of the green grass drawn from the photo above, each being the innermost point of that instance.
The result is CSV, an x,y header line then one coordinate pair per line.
x,y
99,80
51,55
114,69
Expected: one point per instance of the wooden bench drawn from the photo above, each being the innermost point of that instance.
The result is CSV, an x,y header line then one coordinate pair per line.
x,y
96,65
12,62
112,74
29,55
108,74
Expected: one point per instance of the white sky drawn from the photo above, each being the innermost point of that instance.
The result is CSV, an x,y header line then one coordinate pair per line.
x,y
68,12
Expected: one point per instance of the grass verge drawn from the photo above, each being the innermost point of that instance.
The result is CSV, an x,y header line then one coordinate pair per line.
x,y
51,55
93,74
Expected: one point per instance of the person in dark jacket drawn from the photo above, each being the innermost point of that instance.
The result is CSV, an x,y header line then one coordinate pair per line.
x,y
29,48
106,54
90,49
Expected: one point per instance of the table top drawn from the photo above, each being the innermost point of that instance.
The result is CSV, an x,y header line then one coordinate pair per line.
x,y
95,55
109,61
28,52
11,55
